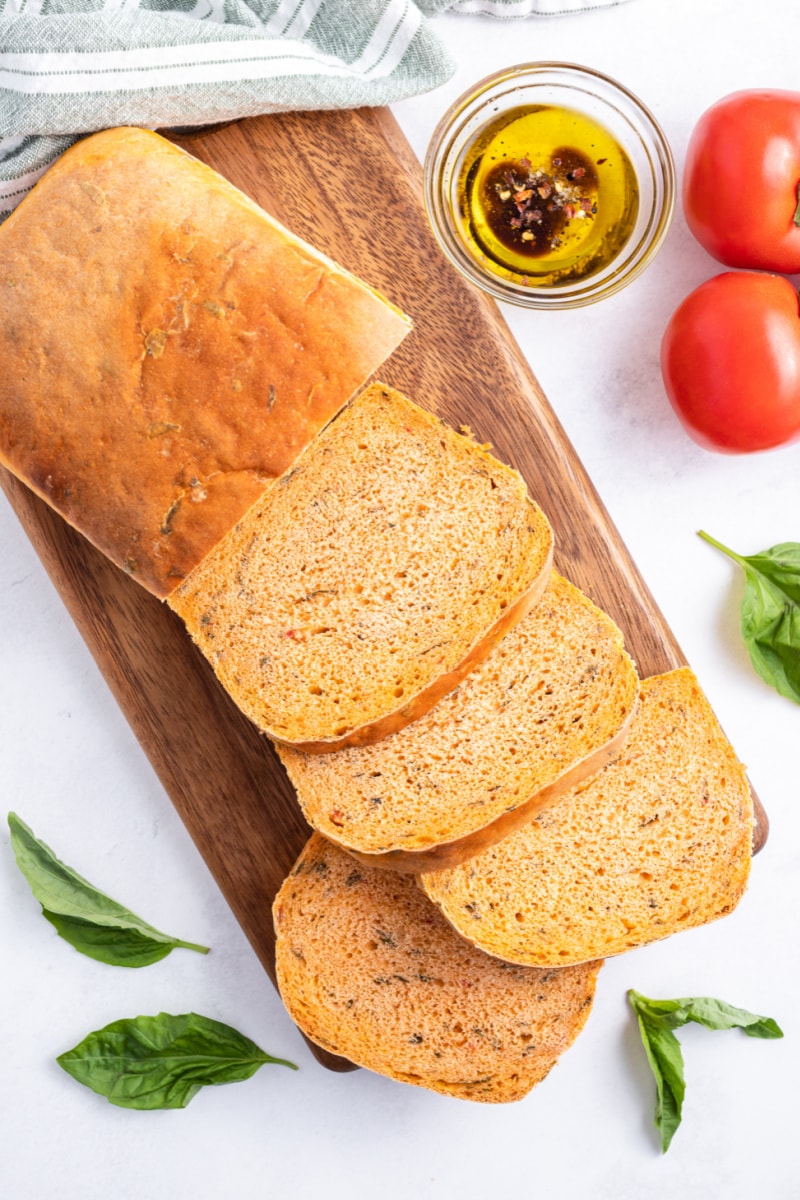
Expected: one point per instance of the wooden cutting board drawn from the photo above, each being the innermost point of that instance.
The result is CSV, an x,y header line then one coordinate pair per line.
x,y
349,183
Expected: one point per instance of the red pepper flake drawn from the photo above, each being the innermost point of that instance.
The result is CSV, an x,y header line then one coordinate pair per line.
x,y
296,635
527,209
336,817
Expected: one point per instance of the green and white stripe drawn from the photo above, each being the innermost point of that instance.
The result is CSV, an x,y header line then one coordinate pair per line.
x,y
68,67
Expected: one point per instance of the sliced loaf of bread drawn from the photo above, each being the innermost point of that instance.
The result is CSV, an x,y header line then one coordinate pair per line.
x,y
369,969
549,706
370,579
657,842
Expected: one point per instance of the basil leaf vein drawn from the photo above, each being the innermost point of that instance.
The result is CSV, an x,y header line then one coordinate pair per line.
x,y
89,920
658,1018
164,1060
770,613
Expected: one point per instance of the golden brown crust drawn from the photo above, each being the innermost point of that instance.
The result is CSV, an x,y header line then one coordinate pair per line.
x,y
167,349
657,842
370,970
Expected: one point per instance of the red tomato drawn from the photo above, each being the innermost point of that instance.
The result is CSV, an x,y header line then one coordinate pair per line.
x,y
740,183
730,357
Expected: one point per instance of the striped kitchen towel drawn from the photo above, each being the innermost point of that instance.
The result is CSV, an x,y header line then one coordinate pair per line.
x,y
68,67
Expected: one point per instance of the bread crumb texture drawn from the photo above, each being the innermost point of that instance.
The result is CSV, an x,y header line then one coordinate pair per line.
x,y
538,714
658,841
168,348
369,578
369,969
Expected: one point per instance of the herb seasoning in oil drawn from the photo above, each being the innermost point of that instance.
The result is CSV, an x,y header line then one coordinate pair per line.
x,y
546,196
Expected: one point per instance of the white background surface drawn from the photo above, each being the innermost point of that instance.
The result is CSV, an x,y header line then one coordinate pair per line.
x,y
72,769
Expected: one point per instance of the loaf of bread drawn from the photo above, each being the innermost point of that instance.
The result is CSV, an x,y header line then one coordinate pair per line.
x,y
370,579
658,841
167,349
548,707
370,970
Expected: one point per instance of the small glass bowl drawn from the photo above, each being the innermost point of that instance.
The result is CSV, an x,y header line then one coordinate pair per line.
x,y
591,94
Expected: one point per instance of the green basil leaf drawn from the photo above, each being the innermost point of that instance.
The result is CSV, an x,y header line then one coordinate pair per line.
x,y
163,1061
716,1014
670,1013
770,613
114,945
89,920
658,1018
666,1062
782,564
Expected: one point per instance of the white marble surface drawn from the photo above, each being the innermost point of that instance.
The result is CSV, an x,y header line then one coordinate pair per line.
x,y
73,770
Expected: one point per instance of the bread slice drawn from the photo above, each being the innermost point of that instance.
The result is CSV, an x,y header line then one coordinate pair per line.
x,y
659,841
369,969
548,707
367,582
168,349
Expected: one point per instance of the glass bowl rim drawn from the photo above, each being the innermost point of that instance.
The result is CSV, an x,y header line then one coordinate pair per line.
x,y
470,103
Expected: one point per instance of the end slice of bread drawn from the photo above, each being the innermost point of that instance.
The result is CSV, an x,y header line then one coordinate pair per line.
x,y
548,707
168,349
657,842
370,579
369,969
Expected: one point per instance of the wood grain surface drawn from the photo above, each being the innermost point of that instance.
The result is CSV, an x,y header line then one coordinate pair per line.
x,y
349,183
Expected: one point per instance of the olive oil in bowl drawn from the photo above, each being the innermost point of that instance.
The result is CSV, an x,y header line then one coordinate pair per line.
x,y
547,195
549,185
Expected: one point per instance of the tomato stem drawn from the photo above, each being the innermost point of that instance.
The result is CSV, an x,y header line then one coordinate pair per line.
x,y
797,210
